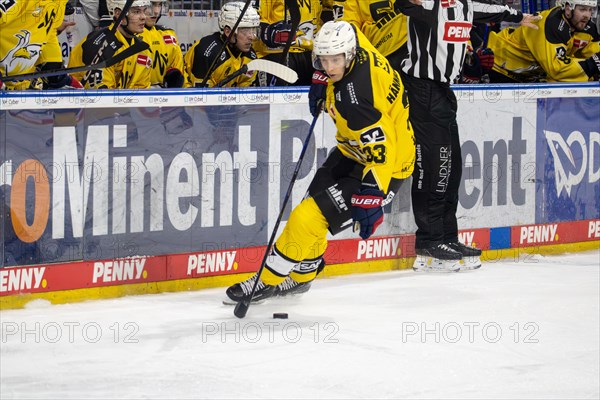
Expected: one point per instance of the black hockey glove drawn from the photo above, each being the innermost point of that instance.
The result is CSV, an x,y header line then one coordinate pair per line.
x,y
317,92
64,81
173,78
277,34
477,63
591,66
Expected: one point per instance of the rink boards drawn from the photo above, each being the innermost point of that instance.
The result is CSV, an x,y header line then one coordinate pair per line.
x,y
108,193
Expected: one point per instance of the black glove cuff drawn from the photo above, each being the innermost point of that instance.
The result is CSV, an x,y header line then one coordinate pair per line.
x,y
591,65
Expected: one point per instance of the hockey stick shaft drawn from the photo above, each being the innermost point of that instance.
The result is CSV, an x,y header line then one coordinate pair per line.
x,y
294,10
231,77
114,28
137,47
213,65
242,307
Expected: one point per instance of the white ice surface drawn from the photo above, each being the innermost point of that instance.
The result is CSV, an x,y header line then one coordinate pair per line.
x,y
526,329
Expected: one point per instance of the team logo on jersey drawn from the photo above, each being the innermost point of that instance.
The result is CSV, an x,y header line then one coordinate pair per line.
x,y
448,3
5,5
144,60
579,43
170,39
457,32
338,12
561,54
23,56
372,135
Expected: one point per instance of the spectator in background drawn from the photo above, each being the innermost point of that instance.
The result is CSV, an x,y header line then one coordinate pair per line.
x,y
566,48
131,73
237,52
29,43
275,28
167,62
91,10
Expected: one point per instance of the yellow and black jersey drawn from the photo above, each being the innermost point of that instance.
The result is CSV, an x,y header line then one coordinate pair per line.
x,y
377,20
553,52
200,57
166,52
371,116
272,11
131,73
28,36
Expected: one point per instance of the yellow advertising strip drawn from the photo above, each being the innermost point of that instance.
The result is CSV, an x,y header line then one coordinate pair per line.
x,y
71,296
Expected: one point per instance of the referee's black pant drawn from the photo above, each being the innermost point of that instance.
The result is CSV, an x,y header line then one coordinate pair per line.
x,y
438,166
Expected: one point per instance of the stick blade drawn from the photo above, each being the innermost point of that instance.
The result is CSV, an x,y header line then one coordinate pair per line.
x,y
241,309
279,70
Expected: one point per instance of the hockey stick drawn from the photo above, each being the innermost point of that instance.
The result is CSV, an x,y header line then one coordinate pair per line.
x,y
137,46
105,44
294,9
213,65
280,71
241,308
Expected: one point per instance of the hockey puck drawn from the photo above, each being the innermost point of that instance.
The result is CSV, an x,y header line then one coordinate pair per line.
x,y
280,315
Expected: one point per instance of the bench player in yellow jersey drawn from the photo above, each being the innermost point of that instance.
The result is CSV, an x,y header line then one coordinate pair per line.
x,y
565,48
133,72
275,28
382,25
28,42
237,52
375,154
167,58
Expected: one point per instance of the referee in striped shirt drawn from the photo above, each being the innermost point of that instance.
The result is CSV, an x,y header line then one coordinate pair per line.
x,y
438,32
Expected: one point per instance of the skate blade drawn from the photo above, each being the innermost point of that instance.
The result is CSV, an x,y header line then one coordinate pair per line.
x,y
434,265
470,263
229,302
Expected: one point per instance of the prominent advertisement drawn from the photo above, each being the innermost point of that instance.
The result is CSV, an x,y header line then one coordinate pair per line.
x,y
114,188
87,184
568,159
498,172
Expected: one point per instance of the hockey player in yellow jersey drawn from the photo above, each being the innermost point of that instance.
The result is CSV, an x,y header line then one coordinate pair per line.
x,y
167,58
275,28
565,48
375,154
132,73
237,52
383,26
28,40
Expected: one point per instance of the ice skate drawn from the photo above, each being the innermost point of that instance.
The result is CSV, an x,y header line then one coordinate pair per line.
x,y
470,256
242,290
439,258
290,287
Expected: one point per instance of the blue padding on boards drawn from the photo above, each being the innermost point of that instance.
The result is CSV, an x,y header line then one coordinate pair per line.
x,y
500,238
